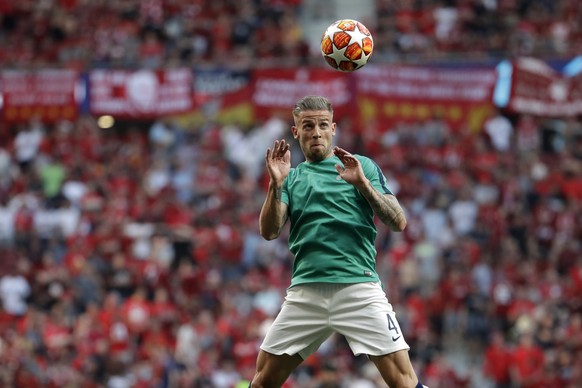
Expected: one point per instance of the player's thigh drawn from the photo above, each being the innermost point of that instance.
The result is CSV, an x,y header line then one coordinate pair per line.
x,y
396,369
273,369
362,314
302,324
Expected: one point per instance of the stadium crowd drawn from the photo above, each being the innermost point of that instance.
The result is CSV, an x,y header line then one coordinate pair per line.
x,y
130,257
153,33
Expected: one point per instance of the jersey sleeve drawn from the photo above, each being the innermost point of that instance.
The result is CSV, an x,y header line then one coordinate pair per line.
x,y
285,189
373,172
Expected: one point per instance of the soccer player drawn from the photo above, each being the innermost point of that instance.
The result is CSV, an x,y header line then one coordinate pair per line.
x,y
331,199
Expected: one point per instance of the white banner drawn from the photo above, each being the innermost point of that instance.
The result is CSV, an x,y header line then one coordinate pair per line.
x,y
140,94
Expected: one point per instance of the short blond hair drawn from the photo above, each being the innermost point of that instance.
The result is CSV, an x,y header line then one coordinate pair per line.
x,y
311,103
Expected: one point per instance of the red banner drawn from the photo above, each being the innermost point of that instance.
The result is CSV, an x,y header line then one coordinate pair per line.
x,y
140,94
277,90
538,90
46,94
393,94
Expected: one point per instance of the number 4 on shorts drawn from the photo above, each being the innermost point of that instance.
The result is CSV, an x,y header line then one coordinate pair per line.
x,y
393,327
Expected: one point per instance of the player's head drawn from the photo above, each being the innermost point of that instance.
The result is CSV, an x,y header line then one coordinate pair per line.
x,y
314,127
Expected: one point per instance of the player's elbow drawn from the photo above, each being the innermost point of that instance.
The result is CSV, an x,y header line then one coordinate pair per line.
x,y
268,234
270,227
399,225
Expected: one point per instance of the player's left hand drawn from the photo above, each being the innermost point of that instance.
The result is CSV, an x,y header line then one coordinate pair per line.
x,y
351,171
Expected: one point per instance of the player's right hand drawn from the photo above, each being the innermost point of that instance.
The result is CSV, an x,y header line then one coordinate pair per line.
x,y
278,161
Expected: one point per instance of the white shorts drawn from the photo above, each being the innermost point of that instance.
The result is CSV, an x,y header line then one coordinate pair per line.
x,y
312,312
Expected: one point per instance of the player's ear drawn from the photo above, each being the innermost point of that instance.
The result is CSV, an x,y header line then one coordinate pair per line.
x,y
333,126
294,132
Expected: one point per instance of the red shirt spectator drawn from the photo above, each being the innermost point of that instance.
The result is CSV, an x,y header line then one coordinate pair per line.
x,y
573,333
497,360
163,308
119,338
136,312
527,363
110,311
246,347
455,287
575,273
56,334
156,343
572,188
416,307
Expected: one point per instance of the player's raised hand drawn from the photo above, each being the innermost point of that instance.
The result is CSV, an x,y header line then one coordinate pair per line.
x,y
351,171
278,161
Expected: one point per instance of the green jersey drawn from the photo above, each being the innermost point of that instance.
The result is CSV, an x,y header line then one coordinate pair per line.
x,y
332,234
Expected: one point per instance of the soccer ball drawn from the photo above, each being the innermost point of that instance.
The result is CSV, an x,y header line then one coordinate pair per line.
x,y
347,45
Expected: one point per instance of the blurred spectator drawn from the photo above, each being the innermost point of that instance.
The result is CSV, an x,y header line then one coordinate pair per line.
x,y
527,366
5,168
163,137
27,143
463,212
497,361
14,292
500,132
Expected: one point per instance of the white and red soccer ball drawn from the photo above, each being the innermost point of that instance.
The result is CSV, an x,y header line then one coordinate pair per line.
x,y
347,45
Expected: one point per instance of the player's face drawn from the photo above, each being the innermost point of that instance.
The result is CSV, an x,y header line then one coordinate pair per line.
x,y
315,130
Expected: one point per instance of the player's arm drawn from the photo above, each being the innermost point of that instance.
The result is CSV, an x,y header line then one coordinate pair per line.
x,y
385,206
273,213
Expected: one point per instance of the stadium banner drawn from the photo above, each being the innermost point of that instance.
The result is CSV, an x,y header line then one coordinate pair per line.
x,y
140,94
394,94
275,91
222,95
538,89
49,95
